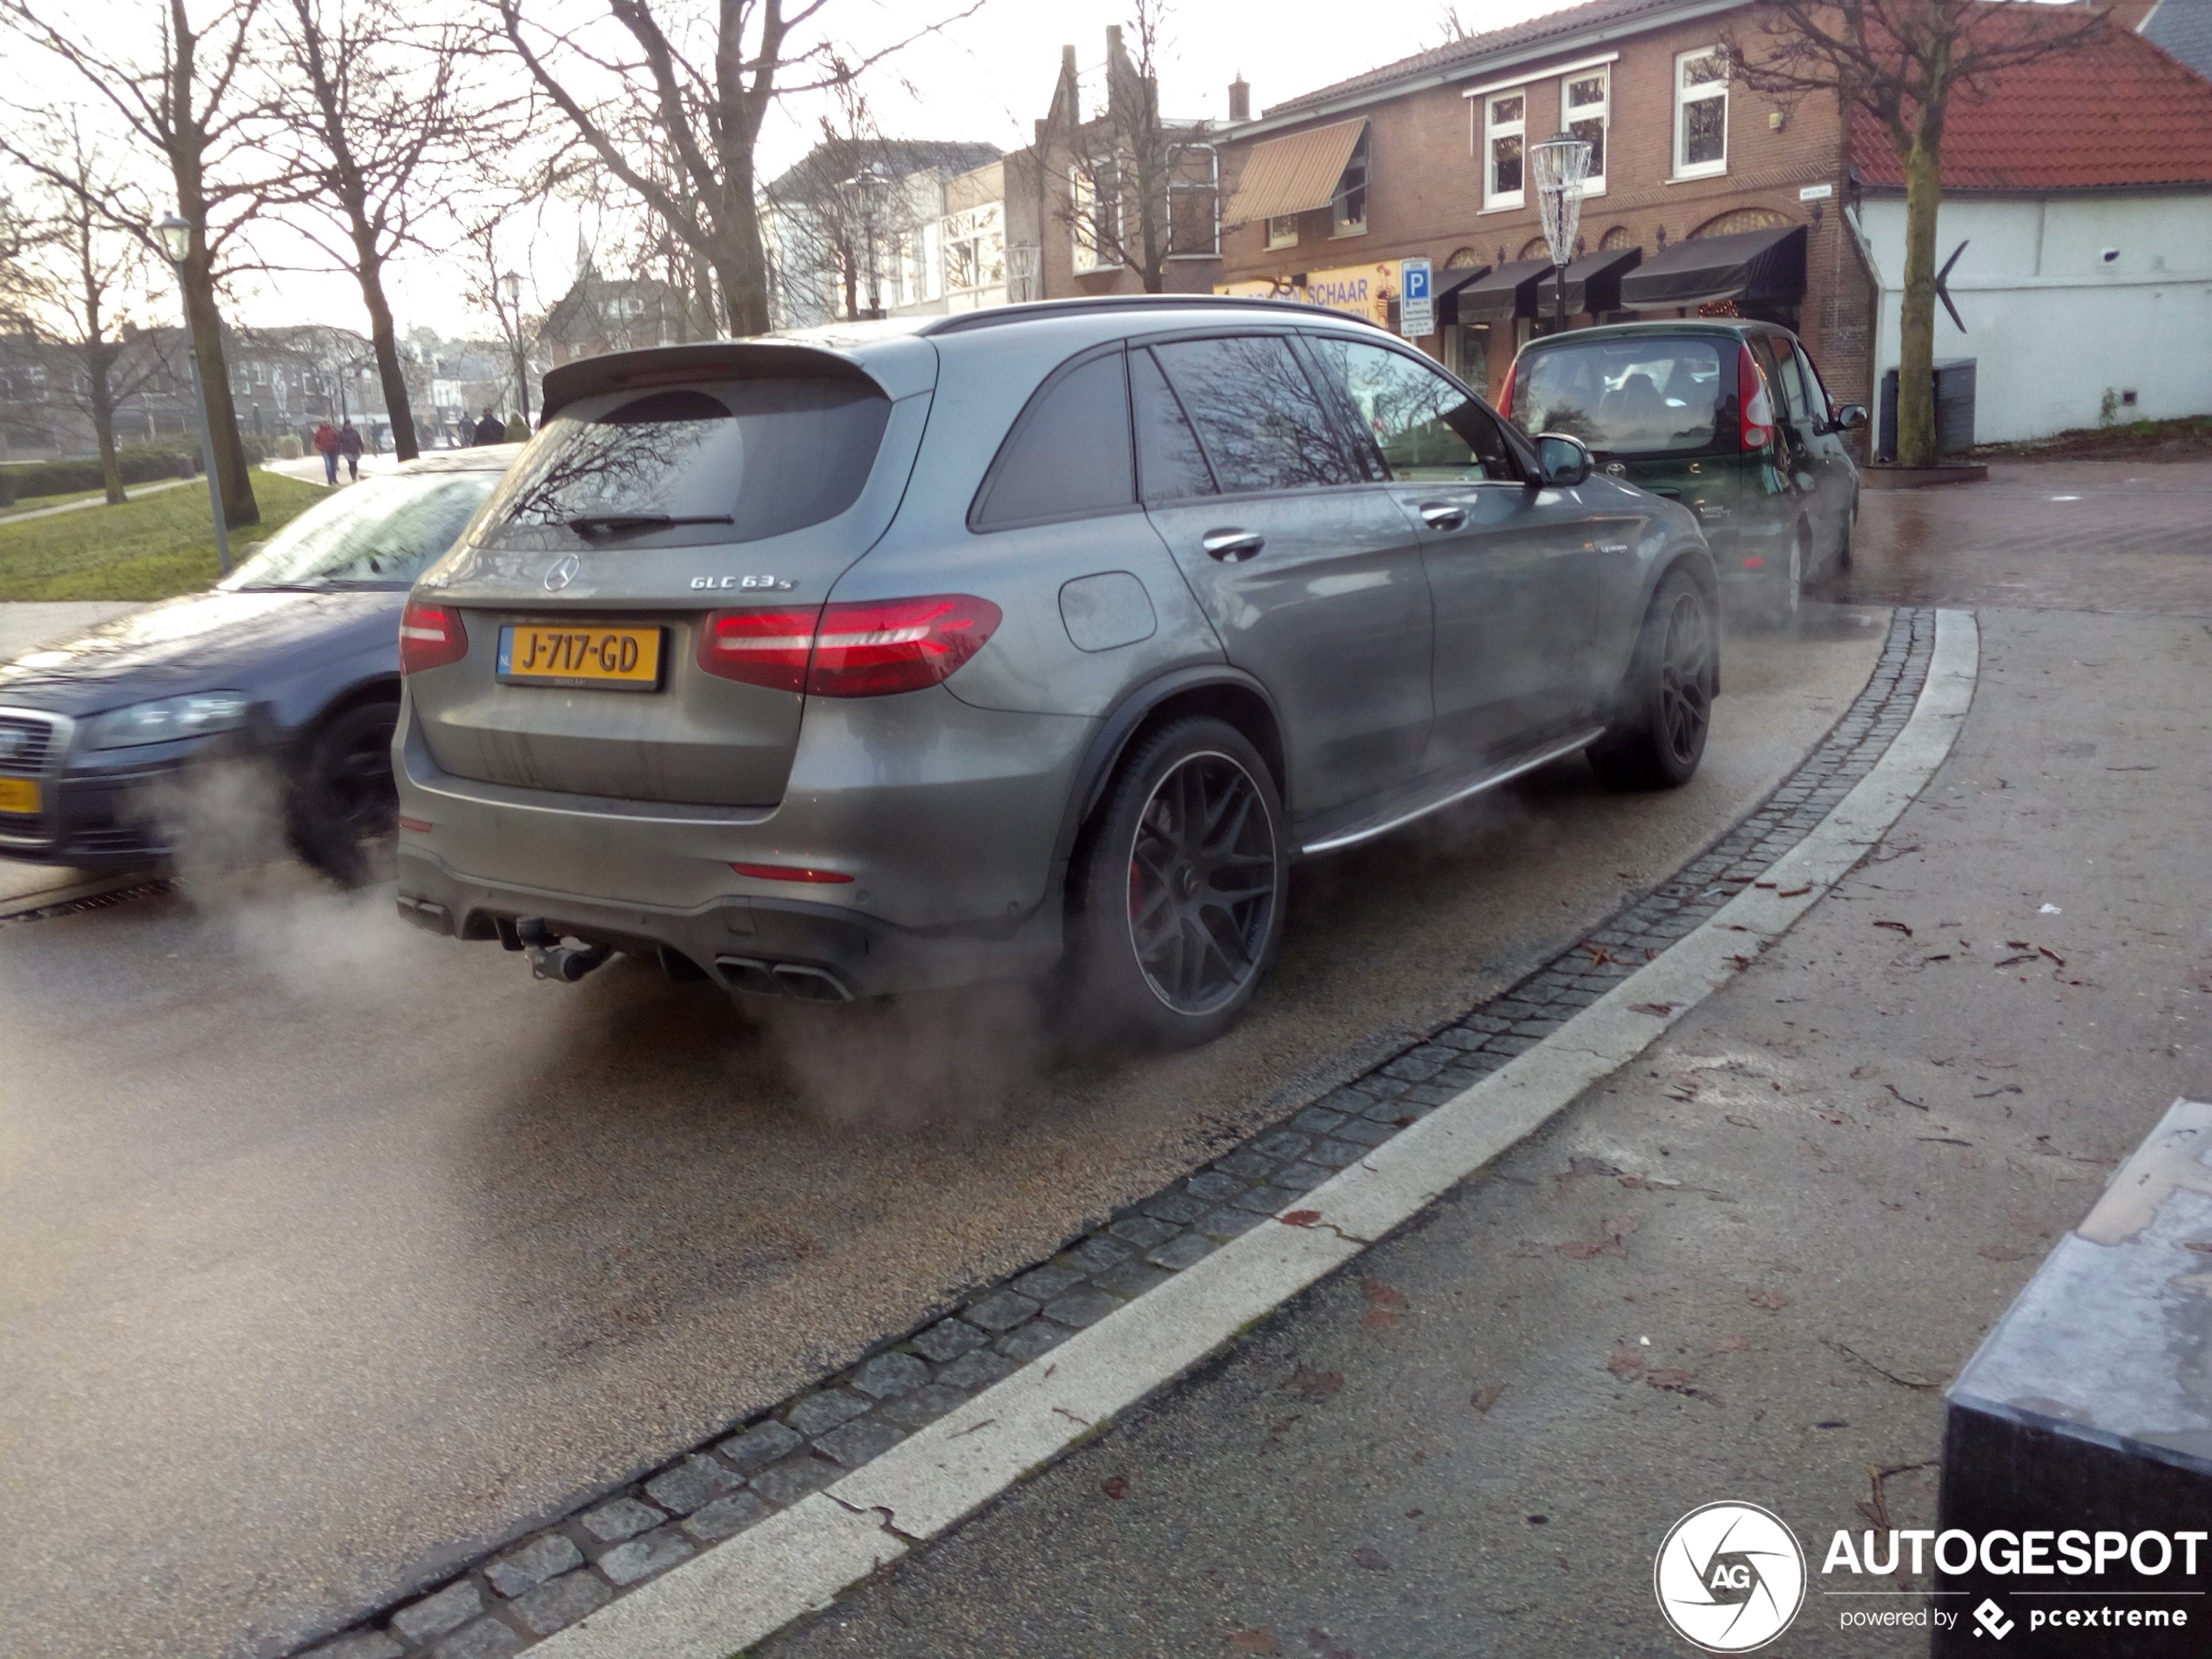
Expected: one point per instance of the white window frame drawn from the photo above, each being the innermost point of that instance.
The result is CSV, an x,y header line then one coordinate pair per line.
x,y
1684,97
1493,130
1362,158
1282,231
1602,112
1087,252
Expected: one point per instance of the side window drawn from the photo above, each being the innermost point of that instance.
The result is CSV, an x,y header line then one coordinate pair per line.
x,y
1169,465
1426,427
1823,406
1792,386
1069,453
1258,417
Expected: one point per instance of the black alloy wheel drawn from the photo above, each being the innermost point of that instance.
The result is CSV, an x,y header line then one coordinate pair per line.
x,y
1202,888
1177,894
346,804
1664,709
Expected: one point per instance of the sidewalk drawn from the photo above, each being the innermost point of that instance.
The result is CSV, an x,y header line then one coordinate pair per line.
x,y
1741,1269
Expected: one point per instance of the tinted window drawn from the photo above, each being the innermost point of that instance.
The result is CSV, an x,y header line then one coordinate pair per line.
x,y
1823,406
1426,427
1069,453
1793,383
751,459
1624,397
1169,464
1257,417
380,533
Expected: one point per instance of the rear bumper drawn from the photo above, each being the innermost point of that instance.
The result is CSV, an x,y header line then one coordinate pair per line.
x,y
942,816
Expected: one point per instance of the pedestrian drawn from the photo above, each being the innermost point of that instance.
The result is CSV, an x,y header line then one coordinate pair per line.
x,y
349,445
326,443
518,429
491,428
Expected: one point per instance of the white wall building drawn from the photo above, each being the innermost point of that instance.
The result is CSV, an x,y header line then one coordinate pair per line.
x,y
2065,296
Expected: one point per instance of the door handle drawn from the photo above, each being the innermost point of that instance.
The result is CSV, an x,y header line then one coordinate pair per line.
x,y
1233,547
1438,515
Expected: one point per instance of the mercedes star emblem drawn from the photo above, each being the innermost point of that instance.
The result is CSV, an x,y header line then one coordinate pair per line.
x,y
563,572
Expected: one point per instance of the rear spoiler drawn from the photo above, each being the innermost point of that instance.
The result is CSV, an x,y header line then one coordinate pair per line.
x,y
729,359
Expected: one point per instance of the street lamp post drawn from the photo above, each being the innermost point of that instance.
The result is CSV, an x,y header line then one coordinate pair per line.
x,y
174,234
513,283
1559,165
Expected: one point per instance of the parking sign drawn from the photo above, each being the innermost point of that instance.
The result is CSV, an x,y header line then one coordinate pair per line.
x,y
1416,306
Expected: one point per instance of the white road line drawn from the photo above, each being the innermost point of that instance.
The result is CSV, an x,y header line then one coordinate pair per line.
x,y
744,1591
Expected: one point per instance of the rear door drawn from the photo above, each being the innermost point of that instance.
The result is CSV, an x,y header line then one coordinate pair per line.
x,y
1803,458
1309,572
1835,474
1517,572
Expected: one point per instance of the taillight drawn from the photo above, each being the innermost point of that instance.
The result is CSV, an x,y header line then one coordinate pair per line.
x,y
867,648
1756,418
1505,394
430,637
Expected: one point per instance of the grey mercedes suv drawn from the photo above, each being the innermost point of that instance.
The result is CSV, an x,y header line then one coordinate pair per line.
x,y
895,656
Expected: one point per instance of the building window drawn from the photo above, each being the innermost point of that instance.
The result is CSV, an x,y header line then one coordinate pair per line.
x,y
261,374
1505,122
1194,202
1350,207
1282,231
1096,190
1585,106
1701,113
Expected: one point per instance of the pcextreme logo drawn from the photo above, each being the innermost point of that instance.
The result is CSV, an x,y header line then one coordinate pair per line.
x,y
1729,1577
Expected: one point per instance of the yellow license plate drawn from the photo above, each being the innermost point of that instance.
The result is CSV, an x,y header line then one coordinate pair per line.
x,y
18,795
618,658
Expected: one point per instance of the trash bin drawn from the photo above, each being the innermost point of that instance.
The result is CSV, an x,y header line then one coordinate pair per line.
x,y
1954,411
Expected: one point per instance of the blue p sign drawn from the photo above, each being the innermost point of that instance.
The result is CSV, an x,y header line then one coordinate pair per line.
x,y
1416,279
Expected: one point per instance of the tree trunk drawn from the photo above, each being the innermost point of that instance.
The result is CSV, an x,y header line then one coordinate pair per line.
x,y
233,479
385,340
1916,431
99,356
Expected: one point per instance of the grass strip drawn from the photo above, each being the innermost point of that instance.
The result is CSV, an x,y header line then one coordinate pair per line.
x,y
147,549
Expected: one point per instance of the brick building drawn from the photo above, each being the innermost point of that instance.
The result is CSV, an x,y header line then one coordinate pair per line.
x,y
1427,156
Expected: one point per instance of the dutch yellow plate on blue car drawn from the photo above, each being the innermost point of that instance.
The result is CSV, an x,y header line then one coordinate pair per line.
x,y
18,795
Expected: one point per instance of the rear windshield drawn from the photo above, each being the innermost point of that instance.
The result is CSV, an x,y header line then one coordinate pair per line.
x,y
732,462
1623,397
379,533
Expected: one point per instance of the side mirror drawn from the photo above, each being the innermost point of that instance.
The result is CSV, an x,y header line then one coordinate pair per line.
x,y
1851,418
1562,460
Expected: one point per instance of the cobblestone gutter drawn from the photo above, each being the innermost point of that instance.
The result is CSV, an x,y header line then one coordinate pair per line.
x,y
557,1574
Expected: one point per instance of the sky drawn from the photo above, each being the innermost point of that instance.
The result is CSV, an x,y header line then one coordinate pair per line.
x,y
987,77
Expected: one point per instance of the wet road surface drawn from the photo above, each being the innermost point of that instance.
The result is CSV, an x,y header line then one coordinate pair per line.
x,y
339,1253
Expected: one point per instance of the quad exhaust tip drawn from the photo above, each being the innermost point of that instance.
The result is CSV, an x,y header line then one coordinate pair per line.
x,y
801,980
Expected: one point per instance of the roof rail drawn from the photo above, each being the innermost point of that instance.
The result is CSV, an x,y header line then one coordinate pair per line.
x,y
1000,316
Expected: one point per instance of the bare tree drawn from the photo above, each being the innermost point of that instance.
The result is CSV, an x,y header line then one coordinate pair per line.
x,y
190,98
1144,188
76,284
487,288
834,216
1902,62
376,106
704,91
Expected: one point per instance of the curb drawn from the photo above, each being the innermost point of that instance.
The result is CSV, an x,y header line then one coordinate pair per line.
x,y
798,1560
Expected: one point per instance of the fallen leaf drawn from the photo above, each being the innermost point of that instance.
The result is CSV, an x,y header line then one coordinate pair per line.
x,y
1741,1122
1917,1105
2003,1252
2009,1089
1729,1344
2044,950
1483,1399
1371,1558
1898,926
1382,1295
1648,1184
1620,1226
1670,1376
1300,1217
1773,1301
1794,892
1114,1486
1661,1009
1625,1363
1259,1641
1315,1384
2201,1246
2014,961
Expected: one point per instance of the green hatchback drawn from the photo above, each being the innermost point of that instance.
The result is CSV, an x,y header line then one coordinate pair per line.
x,y
1728,417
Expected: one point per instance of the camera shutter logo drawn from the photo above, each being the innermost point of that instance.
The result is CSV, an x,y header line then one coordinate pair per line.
x,y
1729,1577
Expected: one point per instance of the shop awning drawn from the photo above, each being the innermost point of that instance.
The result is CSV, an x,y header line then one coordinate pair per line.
x,y
1763,266
1593,282
1509,291
1449,284
1293,175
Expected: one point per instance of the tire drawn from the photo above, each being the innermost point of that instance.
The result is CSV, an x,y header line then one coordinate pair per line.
x,y
1842,551
1665,706
1787,600
1170,931
345,806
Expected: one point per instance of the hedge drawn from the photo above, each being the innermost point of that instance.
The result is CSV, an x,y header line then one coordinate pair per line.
x,y
140,463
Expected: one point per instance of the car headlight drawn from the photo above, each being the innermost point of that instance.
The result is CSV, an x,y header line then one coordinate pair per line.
x,y
165,719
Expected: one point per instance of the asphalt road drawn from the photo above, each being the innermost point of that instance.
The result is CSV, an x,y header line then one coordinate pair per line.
x,y
338,1253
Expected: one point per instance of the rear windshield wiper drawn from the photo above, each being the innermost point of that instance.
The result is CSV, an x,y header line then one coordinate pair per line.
x,y
623,524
